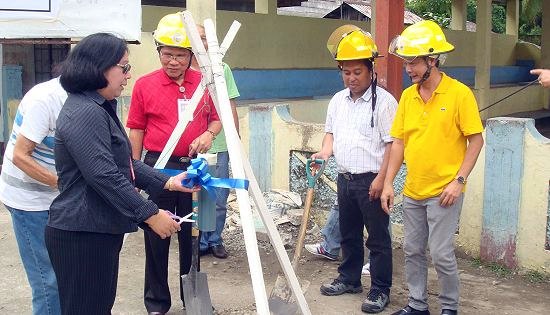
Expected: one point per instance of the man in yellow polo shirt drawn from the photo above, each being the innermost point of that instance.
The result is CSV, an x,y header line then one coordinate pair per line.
x,y
437,132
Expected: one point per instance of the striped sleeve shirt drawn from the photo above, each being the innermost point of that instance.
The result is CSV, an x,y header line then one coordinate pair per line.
x,y
359,147
35,120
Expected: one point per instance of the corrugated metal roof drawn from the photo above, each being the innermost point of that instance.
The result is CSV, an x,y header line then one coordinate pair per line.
x,y
366,9
321,8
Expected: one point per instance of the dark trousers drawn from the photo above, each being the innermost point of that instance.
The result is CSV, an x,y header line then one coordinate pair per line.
x,y
356,211
86,268
156,291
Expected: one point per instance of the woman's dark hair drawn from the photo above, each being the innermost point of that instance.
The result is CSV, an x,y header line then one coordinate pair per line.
x,y
84,68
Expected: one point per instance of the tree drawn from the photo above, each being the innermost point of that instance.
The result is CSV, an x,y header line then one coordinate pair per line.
x,y
440,12
531,21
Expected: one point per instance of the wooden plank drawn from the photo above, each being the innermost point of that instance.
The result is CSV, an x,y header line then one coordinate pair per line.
x,y
232,139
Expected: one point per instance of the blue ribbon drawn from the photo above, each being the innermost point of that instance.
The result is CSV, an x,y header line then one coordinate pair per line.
x,y
197,175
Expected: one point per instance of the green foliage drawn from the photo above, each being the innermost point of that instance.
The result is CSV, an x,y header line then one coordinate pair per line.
x,y
499,19
440,12
530,21
436,10
497,269
530,18
536,277
531,11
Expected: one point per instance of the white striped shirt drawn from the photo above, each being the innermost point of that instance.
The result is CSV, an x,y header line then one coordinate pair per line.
x,y
36,120
358,147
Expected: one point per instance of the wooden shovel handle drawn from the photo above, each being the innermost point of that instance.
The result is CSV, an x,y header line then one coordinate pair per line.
x,y
195,200
303,228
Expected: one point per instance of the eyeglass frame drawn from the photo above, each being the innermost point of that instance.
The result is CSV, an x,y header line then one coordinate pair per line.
x,y
125,68
169,57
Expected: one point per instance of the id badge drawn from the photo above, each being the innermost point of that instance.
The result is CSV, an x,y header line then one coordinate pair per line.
x,y
183,106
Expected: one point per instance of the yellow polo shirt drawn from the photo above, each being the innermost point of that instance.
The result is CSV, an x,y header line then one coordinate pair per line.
x,y
434,135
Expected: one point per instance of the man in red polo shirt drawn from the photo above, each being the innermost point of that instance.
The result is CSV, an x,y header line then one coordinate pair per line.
x,y
158,100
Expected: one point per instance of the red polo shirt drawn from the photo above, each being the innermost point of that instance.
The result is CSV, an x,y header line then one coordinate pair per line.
x,y
154,109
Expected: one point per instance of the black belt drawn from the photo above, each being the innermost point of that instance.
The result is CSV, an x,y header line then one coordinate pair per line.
x,y
352,177
173,158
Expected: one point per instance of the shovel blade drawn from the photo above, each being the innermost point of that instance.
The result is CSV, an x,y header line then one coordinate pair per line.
x,y
196,294
281,300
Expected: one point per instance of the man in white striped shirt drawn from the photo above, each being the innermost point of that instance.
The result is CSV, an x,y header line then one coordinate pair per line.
x,y
28,185
357,128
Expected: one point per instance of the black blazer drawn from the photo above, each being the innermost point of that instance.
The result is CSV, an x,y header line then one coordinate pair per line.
x,y
96,172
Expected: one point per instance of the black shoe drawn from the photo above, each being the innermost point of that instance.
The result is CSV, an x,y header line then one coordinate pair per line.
x,y
376,301
219,251
337,287
203,252
449,312
411,311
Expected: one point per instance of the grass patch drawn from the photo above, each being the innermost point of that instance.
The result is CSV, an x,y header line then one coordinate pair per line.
x,y
499,270
534,276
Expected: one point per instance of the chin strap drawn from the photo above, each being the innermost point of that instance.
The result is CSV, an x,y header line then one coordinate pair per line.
x,y
428,71
374,80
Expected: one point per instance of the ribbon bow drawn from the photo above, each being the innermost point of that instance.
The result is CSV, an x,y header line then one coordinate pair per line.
x,y
197,175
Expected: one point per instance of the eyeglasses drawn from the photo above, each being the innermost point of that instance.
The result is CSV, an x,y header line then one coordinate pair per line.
x,y
170,57
125,68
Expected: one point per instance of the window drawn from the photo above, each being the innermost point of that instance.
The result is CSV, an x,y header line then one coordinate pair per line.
x,y
46,57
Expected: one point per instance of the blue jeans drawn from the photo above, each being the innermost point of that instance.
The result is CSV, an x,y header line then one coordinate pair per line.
x,y
29,229
209,239
357,212
331,232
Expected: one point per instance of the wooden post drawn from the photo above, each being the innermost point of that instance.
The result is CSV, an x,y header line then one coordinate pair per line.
x,y
389,16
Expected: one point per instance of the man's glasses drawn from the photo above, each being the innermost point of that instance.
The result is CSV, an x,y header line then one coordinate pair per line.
x,y
170,57
125,68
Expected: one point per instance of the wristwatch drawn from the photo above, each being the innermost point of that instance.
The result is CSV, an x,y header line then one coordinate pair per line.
x,y
461,180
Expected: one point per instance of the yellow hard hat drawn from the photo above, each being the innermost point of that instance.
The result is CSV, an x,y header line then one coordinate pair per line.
x,y
356,45
424,38
337,35
171,32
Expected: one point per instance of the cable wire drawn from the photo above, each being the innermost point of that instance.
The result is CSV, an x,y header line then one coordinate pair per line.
x,y
507,96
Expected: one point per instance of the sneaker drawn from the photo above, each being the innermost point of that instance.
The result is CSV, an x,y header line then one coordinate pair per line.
x,y
407,310
376,301
337,287
219,251
366,270
318,250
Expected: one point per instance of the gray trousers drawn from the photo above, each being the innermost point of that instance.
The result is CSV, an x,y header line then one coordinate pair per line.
x,y
428,224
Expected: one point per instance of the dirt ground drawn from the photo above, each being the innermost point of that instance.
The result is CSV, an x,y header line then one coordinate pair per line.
x,y
482,291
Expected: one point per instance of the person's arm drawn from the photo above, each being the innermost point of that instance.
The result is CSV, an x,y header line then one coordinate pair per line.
x,y
136,140
394,164
202,143
454,188
22,158
385,120
375,189
326,148
235,114
544,76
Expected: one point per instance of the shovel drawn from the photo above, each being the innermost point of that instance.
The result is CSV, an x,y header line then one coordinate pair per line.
x,y
195,285
281,300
